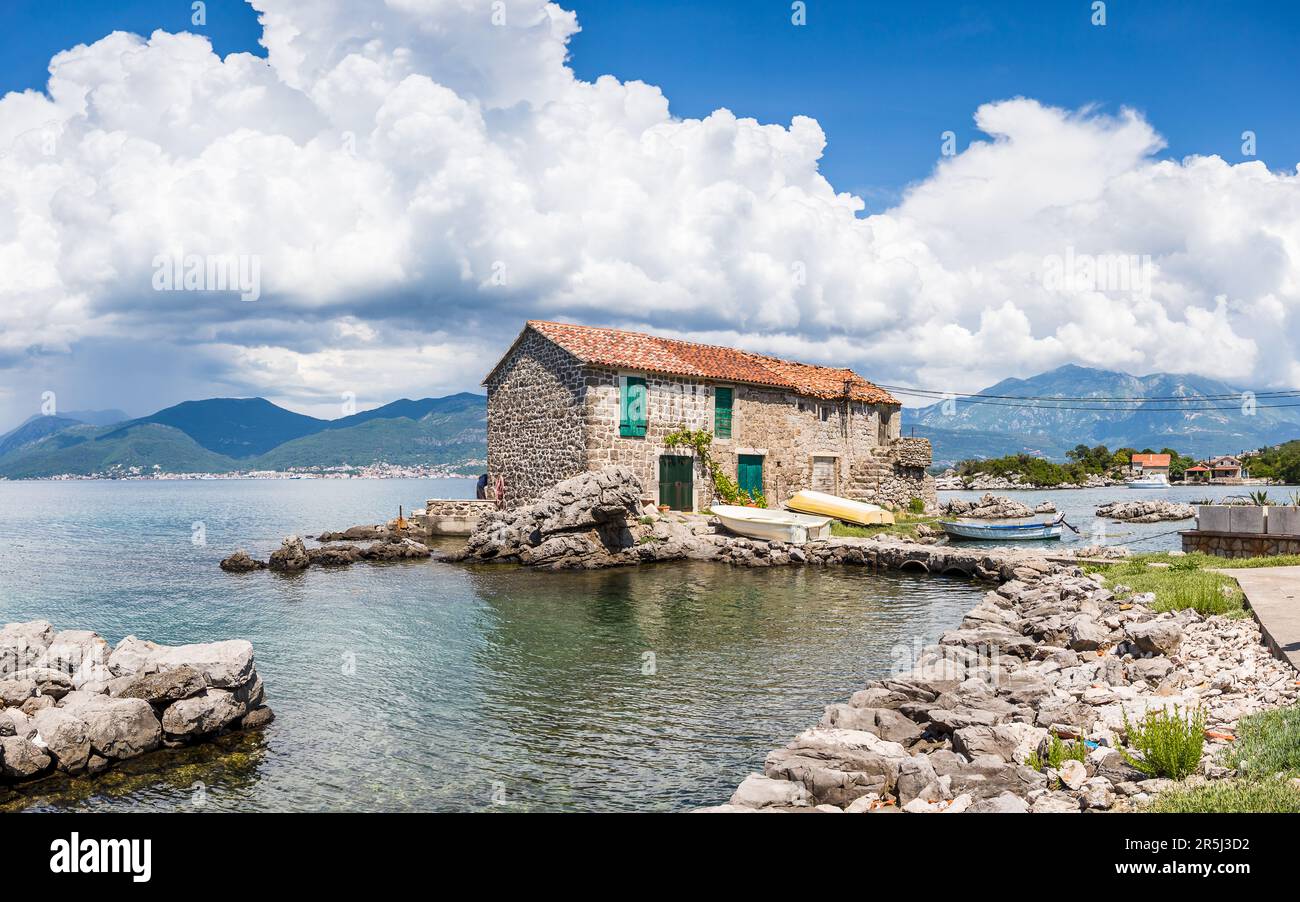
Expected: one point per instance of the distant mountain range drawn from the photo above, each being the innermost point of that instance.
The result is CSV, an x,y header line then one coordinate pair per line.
x,y
222,435
1000,425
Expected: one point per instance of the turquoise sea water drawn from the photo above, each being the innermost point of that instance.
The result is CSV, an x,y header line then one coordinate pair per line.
x,y
434,687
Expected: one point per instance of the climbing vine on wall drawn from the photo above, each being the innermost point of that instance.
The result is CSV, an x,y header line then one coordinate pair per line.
x,y
724,487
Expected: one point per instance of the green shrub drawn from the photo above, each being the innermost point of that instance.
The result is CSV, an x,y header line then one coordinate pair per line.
x,y
1270,796
1058,752
916,506
1267,743
1169,743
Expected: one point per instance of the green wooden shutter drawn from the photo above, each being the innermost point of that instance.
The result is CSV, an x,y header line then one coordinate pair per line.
x,y
722,412
632,407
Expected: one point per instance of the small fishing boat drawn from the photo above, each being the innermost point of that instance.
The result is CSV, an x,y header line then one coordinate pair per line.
x,y
772,526
1149,481
859,512
987,531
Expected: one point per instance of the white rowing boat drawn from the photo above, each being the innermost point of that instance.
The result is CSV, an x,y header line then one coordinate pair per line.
x,y
1002,532
860,512
772,526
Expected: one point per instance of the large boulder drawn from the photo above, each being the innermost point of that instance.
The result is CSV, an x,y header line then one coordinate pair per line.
x,y
582,522
15,692
117,727
66,736
223,665
1157,636
758,791
291,556
131,655
163,687
201,714
838,766
20,758
53,683
242,562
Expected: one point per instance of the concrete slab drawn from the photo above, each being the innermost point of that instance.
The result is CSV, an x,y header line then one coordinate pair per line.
x,y
1284,520
1246,519
1273,594
1212,518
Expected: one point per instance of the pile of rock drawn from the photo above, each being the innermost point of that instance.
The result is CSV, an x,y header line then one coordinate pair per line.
x,y
1153,511
293,555
1050,652
993,507
71,702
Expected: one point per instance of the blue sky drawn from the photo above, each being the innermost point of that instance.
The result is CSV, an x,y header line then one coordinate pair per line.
x,y
884,79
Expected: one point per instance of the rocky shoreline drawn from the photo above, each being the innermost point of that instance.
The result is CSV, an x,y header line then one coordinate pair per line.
x,y
982,482
994,507
71,703
1050,653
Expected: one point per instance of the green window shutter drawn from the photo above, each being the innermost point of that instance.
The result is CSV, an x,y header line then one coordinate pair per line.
x,y
632,407
722,412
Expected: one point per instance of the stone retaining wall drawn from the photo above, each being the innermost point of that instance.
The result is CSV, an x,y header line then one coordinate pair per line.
x,y
70,702
451,516
1238,544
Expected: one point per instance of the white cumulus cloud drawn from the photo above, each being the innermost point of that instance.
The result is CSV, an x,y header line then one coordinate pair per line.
x,y
416,177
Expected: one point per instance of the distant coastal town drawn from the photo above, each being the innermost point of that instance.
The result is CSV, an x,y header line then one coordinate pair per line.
x,y
369,471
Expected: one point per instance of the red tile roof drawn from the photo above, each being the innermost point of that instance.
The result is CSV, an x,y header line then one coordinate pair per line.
x,y
1151,460
651,353
1197,469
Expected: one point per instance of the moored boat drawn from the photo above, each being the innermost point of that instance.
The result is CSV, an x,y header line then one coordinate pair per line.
x,y
772,526
1149,481
859,512
983,530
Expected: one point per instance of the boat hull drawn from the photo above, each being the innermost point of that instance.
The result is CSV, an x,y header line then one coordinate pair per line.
x,y
1013,532
772,526
858,512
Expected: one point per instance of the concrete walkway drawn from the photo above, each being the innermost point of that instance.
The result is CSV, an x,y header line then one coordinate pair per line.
x,y
1273,594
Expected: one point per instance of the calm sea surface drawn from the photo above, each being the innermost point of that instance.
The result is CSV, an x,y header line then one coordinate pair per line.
x,y
432,687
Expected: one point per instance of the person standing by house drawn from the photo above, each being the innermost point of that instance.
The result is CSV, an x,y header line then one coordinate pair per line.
x,y
480,491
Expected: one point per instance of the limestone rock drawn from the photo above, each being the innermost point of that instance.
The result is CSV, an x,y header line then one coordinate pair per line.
x,y
758,791
1146,511
201,714
166,686
290,557
20,758
118,727
224,664
1158,636
1006,803
15,692
66,736
242,562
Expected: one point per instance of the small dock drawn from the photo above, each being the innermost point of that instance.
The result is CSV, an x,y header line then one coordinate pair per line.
x,y
1273,596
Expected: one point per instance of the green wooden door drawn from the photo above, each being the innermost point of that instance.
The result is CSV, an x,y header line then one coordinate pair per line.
x,y
749,473
677,481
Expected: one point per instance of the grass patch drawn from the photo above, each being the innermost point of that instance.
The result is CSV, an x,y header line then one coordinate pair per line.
x,y
1169,743
1198,561
1058,752
1272,796
904,527
1180,586
1268,743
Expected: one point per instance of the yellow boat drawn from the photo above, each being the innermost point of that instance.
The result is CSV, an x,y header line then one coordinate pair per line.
x,y
859,512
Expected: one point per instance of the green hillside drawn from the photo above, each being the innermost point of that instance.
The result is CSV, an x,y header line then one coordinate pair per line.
x,y
436,439
83,450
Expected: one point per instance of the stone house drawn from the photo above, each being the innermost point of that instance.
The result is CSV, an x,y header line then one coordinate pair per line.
x,y
1150,464
565,399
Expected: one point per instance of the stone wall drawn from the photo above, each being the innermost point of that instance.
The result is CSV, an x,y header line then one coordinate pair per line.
x,y
535,418
451,516
786,429
71,702
1237,544
670,404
